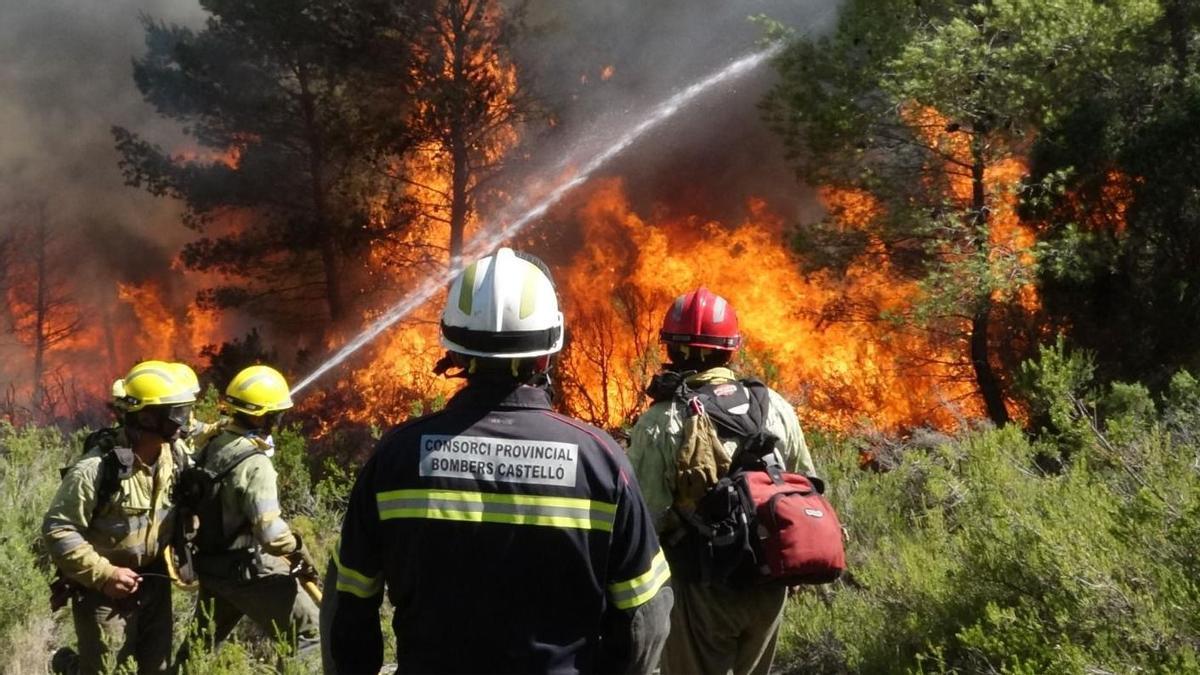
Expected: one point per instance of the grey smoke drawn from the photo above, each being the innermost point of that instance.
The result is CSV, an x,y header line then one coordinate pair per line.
x,y
65,79
710,159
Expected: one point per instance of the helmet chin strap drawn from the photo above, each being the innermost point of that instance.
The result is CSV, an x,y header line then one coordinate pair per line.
x,y
521,369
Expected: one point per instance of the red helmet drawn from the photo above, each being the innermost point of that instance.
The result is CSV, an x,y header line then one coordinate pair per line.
x,y
701,319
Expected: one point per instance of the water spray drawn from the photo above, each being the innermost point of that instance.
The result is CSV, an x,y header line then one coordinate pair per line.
x,y
485,242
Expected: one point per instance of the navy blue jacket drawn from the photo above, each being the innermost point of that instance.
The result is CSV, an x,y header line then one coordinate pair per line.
x,y
507,537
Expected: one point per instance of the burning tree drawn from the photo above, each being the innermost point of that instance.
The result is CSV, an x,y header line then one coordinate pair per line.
x,y
1124,278
288,104
42,314
469,108
465,120
930,108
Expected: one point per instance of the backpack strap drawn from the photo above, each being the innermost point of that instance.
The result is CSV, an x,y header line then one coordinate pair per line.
x,y
748,427
237,459
212,537
116,464
669,385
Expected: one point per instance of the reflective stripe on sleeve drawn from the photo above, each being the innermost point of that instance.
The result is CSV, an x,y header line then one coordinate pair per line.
x,y
264,507
354,582
488,507
63,542
273,529
640,589
51,525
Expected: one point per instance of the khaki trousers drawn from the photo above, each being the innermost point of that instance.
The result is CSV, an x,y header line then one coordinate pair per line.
x,y
716,630
275,602
140,625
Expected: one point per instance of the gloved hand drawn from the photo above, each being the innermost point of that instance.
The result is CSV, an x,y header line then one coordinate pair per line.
x,y
303,565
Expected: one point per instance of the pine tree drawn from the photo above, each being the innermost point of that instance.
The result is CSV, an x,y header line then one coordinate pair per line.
x,y
291,105
921,106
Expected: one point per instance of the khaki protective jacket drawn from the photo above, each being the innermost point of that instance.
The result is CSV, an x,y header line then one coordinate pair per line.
x,y
249,494
130,531
655,440
199,433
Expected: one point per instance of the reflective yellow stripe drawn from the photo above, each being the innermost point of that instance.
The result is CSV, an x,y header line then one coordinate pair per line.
x,y
466,293
488,507
638,590
529,290
354,582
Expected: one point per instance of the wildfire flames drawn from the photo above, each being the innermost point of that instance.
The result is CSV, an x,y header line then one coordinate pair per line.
x,y
839,374
617,272
624,273
817,338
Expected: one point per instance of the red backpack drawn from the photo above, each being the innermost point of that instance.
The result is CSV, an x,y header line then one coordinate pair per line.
x,y
799,536
759,524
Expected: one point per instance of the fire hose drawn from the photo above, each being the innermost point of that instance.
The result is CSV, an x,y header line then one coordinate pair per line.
x,y
187,580
313,590
190,584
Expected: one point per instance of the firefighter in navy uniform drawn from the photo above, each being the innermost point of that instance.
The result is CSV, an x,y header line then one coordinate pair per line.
x,y
508,537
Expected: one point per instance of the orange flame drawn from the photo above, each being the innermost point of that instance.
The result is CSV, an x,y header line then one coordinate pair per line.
x,y
616,290
157,324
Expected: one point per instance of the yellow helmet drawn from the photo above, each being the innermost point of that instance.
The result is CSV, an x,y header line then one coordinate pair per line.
x,y
152,383
185,372
258,390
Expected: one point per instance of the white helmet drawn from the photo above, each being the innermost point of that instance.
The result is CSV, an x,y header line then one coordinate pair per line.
x,y
503,306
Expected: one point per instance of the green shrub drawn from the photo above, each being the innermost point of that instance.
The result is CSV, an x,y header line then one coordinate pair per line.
x,y
30,458
969,558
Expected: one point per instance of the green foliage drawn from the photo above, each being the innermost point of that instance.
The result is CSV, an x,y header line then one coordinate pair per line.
x,y
292,463
30,458
1053,385
1120,238
968,558
922,105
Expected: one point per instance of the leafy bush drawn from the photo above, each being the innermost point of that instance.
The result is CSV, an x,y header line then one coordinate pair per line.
x,y
29,461
968,557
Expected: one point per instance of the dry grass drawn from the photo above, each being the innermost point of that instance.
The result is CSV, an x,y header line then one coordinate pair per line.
x,y
27,648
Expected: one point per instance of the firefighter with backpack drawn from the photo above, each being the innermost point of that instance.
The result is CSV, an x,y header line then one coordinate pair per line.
x,y
108,523
248,560
679,451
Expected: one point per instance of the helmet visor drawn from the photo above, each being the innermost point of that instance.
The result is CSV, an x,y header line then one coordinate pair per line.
x,y
178,415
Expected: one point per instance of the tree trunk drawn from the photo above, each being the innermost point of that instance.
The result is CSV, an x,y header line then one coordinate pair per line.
x,y
326,237
40,311
459,156
985,376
